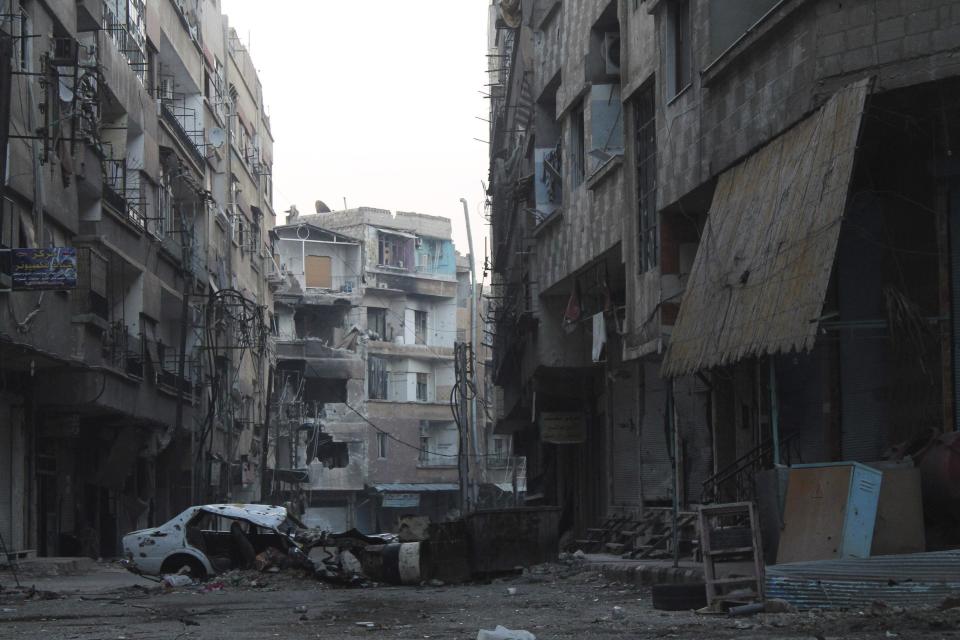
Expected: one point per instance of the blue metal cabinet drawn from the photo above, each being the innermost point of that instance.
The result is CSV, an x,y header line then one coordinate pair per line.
x,y
831,511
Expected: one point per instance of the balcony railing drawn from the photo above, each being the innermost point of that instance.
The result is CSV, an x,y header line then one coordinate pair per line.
x,y
128,33
124,350
185,122
121,189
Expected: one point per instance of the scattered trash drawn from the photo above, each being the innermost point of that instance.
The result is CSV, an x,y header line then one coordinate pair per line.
x,y
368,625
300,609
619,613
502,633
511,591
174,580
579,554
436,583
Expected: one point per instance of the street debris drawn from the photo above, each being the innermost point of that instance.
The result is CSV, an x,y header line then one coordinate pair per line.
x,y
502,633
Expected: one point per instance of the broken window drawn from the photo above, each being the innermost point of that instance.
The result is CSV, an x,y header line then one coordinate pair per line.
x,y
377,378
420,327
646,177
422,393
548,167
678,51
606,124
729,21
377,323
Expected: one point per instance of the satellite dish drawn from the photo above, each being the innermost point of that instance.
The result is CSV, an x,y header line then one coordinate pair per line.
x,y
321,207
217,137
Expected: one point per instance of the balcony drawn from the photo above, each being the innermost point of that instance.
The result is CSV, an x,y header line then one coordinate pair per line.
x,y
121,190
124,351
185,124
321,361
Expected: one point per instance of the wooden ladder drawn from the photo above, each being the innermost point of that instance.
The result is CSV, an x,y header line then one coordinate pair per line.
x,y
719,549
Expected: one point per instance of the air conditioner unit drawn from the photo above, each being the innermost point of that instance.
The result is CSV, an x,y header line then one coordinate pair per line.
x,y
165,89
611,53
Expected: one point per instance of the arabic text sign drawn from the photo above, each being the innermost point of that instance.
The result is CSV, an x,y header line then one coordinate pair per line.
x,y
401,500
563,427
46,268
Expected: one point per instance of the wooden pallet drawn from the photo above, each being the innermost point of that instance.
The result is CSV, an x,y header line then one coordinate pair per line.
x,y
717,554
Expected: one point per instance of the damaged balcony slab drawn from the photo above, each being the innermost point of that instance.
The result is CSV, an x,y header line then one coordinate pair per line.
x,y
410,350
322,361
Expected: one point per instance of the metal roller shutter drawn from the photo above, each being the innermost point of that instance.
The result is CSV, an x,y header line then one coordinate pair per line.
x,y
6,480
626,444
656,473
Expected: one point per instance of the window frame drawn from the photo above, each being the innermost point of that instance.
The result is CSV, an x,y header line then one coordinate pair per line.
x,y
643,105
679,48
578,146
423,384
381,445
420,327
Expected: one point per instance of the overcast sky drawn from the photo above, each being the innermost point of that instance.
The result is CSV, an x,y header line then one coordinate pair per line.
x,y
375,101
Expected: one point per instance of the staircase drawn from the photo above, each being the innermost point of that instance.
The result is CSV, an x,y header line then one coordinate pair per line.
x,y
736,481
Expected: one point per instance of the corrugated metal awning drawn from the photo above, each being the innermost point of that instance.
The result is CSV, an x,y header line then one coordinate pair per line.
x,y
394,232
407,487
763,265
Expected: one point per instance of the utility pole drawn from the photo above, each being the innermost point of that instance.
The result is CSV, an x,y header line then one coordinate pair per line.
x,y
265,445
463,466
473,353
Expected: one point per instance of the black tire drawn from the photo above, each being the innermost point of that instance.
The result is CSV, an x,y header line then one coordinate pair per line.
x,y
679,597
176,564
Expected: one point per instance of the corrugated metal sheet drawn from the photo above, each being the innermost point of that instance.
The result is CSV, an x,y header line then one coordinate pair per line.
x,y
910,579
762,269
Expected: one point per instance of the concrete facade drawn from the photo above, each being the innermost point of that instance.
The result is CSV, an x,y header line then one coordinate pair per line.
x,y
379,330
593,245
139,424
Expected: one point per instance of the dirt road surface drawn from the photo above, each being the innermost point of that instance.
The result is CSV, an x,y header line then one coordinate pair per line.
x,y
551,602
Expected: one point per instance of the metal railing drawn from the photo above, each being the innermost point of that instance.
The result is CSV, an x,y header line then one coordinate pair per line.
x,y
736,482
122,191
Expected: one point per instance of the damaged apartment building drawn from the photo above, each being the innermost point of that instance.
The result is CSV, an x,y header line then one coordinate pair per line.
x,y
724,239
134,341
366,310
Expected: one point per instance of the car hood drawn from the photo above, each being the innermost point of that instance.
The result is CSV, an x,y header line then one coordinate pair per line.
x,y
142,532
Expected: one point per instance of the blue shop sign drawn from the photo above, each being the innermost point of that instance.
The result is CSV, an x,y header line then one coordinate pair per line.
x,y
45,268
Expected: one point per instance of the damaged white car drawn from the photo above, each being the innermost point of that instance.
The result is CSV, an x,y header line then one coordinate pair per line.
x,y
210,539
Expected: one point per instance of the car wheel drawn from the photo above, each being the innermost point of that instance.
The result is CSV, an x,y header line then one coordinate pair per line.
x,y
186,565
679,597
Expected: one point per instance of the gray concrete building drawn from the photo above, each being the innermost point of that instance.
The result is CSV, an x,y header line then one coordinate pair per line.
x,y
134,365
366,321
714,224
